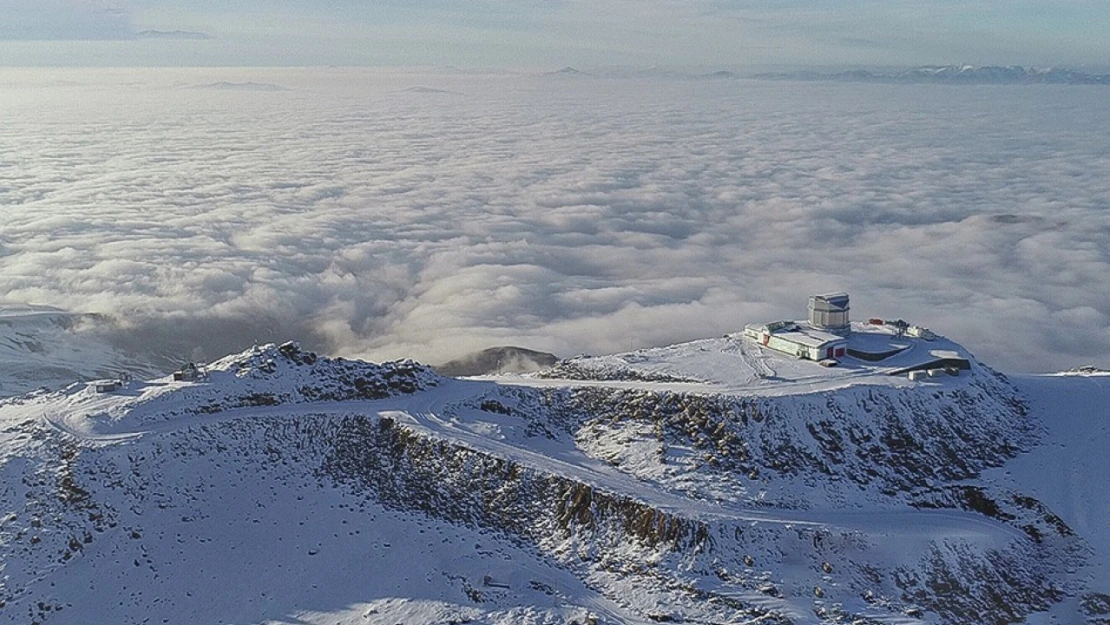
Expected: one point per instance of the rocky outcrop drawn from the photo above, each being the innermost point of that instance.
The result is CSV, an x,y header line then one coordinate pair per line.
x,y
893,439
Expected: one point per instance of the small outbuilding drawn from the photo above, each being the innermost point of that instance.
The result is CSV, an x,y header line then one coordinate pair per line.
x,y
190,372
109,386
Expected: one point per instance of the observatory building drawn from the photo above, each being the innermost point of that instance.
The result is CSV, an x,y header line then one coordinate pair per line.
x,y
829,313
826,337
823,337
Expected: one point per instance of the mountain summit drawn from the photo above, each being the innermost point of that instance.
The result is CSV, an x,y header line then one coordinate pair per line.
x,y
708,482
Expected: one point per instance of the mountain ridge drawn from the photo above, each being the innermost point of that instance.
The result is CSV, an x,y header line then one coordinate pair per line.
x,y
617,501
951,74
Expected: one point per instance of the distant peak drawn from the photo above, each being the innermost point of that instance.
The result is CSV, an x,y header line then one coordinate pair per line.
x,y
423,89
224,85
568,71
173,34
505,359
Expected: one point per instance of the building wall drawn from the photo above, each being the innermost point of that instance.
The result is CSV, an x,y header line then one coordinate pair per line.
x,y
804,351
798,350
828,318
788,347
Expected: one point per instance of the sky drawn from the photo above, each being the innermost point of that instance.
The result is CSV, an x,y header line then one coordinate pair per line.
x,y
554,33
384,214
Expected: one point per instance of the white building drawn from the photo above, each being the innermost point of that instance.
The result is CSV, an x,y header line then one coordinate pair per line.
x,y
791,338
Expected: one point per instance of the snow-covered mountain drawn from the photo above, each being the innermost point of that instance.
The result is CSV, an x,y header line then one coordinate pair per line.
x,y
47,347
709,482
953,74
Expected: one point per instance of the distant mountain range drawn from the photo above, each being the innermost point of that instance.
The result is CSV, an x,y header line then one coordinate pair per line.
x,y
925,74
951,74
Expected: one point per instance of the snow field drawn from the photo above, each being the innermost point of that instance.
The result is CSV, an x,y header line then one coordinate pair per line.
x,y
207,502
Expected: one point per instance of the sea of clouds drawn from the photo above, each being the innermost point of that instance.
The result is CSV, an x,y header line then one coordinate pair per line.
x,y
203,210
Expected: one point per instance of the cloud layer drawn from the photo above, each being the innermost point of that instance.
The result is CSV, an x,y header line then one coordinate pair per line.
x,y
64,20
706,33
563,214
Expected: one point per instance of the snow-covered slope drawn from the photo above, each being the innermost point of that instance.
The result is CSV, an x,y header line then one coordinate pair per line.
x,y
288,488
735,365
47,347
1068,470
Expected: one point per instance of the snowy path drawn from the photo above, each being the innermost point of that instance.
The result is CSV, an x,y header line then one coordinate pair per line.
x,y
754,357
422,411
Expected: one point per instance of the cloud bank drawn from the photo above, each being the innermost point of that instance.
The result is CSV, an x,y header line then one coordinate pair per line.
x,y
65,20
703,33
564,214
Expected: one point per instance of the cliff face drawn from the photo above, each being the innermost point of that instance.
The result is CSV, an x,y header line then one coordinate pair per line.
x,y
436,500
891,438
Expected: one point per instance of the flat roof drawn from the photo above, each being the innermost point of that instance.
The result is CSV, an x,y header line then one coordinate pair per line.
x,y
809,337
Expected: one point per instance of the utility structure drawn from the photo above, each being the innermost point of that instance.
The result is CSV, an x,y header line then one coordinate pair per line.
x,y
829,313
